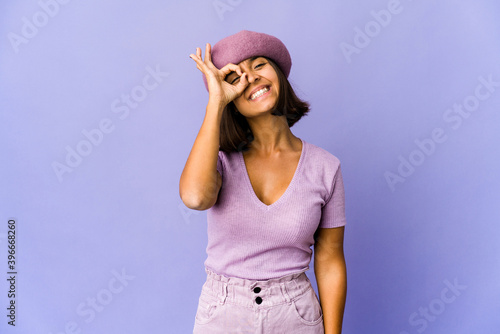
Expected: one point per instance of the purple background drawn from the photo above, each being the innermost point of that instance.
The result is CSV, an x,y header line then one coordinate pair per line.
x,y
119,210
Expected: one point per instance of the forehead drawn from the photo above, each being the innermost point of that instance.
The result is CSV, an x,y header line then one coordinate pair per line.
x,y
249,60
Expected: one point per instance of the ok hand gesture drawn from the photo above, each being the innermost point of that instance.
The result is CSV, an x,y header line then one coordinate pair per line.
x,y
220,91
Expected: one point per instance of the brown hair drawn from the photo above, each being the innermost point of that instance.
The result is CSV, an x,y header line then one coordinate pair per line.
x,y
235,133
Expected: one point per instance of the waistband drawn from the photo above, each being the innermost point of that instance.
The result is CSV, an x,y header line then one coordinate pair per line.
x,y
240,291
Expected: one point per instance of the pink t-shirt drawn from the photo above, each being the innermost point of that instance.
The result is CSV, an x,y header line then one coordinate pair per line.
x,y
249,239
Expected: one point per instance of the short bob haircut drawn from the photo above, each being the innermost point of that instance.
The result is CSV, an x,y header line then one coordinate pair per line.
x,y
235,133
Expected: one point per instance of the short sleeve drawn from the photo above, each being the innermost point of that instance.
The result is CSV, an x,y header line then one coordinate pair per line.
x,y
219,163
333,212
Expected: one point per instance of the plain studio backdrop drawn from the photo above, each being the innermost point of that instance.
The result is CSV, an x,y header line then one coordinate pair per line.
x,y
100,105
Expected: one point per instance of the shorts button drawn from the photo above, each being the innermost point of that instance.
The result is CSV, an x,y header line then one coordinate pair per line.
x,y
256,290
258,300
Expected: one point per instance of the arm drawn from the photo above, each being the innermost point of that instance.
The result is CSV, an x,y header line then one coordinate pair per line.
x,y
331,276
200,181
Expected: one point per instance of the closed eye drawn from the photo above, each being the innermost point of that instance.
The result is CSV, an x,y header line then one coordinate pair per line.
x,y
237,78
234,80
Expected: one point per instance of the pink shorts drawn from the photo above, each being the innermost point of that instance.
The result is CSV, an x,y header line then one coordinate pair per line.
x,y
285,305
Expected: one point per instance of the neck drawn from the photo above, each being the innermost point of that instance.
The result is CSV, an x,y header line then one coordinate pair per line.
x,y
272,135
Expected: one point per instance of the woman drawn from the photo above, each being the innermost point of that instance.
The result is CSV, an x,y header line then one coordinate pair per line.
x,y
270,195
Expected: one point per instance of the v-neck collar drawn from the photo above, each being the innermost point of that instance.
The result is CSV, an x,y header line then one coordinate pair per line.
x,y
288,189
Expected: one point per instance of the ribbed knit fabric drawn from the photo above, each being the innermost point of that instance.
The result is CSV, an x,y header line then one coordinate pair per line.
x,y
249,239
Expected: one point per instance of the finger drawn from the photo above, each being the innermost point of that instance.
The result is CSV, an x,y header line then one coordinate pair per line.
x,y
243,83
243,79
231,68
197,56
208,53
200,64
196,59
208,58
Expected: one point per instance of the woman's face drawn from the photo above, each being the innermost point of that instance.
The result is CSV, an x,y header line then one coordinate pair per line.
x,y
262,92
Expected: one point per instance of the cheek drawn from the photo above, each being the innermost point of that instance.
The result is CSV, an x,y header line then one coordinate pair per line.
x,y
238,103
276,91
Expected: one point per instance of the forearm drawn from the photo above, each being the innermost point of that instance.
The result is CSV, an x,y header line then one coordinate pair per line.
x,y
331,278
198,182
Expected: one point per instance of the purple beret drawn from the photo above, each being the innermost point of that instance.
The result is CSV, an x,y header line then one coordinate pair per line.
x,y
245,44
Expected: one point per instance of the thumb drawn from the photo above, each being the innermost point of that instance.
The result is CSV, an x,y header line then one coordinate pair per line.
x,y
242,84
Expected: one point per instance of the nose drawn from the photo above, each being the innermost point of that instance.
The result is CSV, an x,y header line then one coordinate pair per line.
x,y
252,76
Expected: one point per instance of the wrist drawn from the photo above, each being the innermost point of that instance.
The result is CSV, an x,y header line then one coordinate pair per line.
x,y
214,103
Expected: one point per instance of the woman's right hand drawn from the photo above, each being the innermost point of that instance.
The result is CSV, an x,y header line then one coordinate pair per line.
x,y
220,91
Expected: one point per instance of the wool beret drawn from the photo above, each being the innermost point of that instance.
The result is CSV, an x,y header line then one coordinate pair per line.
x,y
245,44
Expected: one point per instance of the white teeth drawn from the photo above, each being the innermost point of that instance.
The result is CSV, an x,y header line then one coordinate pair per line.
x,y
259,93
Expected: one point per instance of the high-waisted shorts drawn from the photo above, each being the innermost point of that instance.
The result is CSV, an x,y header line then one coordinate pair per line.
x,y
284,305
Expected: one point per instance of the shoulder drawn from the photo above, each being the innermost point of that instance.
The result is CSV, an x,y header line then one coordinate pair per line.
x,y
323,167
322,157
228,159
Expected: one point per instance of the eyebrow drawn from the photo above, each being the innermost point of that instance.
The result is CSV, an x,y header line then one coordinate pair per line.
x,y
254,57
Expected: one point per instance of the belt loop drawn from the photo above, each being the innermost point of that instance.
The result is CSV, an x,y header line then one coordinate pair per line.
x,y
223,293
284,292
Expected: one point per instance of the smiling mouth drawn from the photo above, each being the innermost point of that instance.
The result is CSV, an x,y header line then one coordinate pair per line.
x,y
259,93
